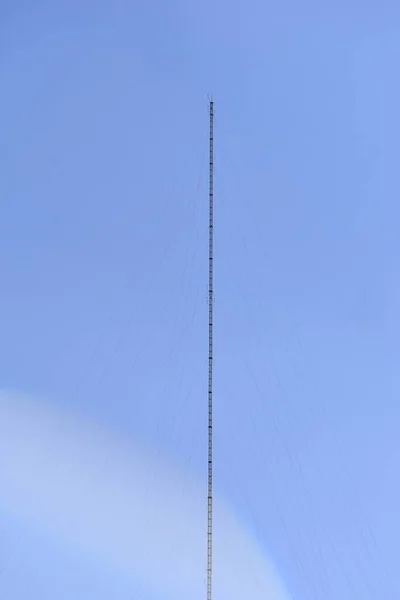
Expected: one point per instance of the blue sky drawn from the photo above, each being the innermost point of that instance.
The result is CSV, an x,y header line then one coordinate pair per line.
x,y
103,261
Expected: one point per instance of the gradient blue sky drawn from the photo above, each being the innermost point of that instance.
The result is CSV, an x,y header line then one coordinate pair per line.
x,y
103,262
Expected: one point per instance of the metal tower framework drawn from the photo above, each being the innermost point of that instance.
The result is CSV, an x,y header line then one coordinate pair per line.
x,y
210,358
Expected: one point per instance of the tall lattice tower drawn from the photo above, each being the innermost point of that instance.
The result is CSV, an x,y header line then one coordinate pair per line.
x,y
210,358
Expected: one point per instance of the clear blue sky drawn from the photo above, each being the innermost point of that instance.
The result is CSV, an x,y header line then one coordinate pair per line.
x,y
103,262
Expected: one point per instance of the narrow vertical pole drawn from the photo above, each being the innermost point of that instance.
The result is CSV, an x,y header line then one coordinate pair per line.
x,y
210,357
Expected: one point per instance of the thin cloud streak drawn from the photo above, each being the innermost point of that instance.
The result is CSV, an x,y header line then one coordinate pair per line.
x,y
99,493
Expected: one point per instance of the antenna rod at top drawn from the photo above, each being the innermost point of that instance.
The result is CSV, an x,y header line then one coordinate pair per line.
x,y
210,357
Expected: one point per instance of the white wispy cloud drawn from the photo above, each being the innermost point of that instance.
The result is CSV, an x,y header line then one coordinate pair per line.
x,y
100,493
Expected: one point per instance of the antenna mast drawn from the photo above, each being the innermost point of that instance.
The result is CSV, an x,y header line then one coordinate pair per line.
x,y
210,357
